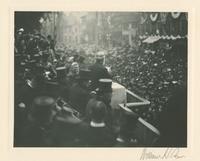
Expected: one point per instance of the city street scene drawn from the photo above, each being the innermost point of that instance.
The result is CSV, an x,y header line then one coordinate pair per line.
x,y
100,79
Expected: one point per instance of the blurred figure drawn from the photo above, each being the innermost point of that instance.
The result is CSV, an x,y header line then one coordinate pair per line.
x,y
81,62
97,134
49,125
20,42
30,90
104,94
79,92
40,118
51,42
173,121
48,66
73,69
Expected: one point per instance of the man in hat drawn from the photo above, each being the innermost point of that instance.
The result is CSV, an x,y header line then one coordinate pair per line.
x,y
48,125
104,94
79,92
98,71
97,133
104,90
40,117
63,83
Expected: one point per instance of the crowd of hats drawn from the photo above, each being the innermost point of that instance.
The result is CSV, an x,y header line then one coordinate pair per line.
x,y
152,75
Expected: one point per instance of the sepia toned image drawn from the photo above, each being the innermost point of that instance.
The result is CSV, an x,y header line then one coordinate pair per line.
x,y
100,79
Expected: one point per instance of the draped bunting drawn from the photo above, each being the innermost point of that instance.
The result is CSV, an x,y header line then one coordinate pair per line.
x,y
175,15
163,17
163,24
154,16
143,18
186,16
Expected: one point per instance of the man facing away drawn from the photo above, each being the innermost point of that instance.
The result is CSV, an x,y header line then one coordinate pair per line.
x,y
98,71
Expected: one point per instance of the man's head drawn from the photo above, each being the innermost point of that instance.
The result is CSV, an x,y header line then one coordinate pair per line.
x,y
20,31
42,108
49,37
100,57
98,112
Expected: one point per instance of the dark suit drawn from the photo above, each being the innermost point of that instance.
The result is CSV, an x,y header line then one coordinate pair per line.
x,y
58,133
78,97
98,136
98,71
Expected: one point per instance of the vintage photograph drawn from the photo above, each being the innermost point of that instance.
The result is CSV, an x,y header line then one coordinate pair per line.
x,y
100,79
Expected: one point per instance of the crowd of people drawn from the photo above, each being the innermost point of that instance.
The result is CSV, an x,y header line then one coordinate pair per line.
x,y
59,99
63,93
152,72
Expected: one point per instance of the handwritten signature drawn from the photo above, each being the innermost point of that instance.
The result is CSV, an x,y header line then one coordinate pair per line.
x,y
169,153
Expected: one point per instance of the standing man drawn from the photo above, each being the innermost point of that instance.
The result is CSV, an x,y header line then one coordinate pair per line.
x,y
98,71
79,92
51,42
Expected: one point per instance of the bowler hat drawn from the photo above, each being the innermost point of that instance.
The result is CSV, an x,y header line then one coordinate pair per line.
x,y
105,85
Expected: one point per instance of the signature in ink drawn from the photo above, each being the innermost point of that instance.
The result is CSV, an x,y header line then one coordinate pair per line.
x,y
169,153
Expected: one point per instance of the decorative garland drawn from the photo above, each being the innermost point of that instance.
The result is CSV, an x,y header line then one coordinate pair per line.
x,y
175,15
186,16
154,16
163,17
143,18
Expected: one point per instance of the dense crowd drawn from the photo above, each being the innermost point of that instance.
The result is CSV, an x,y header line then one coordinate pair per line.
x,y
59,99
153,72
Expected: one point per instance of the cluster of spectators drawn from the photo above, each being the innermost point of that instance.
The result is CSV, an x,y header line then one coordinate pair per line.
x,y
154,73
63,93
59,99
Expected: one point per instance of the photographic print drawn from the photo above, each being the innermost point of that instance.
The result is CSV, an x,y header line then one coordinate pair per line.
x,y
100,79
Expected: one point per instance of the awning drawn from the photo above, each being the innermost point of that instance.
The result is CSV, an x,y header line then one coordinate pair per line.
x,y
151,39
